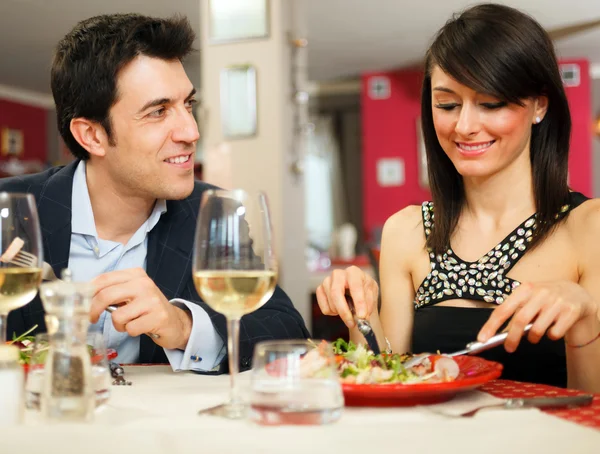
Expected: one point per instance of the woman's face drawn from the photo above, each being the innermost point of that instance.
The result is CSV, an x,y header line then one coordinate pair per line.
x,y
480,134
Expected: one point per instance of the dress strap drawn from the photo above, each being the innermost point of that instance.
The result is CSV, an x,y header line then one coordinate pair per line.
x,y
427,213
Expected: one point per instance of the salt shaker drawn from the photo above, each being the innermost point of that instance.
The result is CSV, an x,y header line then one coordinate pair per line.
x,y
12,394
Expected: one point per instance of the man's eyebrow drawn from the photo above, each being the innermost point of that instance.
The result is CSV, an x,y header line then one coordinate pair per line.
x,y
154,103
161,101
192,93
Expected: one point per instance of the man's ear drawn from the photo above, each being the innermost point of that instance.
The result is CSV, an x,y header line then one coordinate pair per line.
x,y
90,135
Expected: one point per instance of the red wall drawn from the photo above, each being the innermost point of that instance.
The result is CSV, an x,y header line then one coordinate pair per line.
x,y
580,156
389,131
33,122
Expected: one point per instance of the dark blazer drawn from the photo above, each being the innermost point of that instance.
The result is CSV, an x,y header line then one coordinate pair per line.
x,y
169,264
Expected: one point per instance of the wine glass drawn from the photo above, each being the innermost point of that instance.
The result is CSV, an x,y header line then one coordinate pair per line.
x,y
21,254
235,269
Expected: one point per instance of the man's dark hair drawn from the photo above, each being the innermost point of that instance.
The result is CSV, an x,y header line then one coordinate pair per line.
x,y
500,51
88,60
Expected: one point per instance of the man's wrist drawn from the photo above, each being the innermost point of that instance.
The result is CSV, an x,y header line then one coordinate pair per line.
x,y
186,322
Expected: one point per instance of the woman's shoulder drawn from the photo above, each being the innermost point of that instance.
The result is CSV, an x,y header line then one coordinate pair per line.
x,y
405,228
586,211
583,221
405,220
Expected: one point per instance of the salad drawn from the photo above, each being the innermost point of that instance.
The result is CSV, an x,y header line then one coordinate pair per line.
x,y
26,344
356,364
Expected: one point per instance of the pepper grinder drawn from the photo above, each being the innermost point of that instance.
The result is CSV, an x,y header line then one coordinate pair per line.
x,y
67,392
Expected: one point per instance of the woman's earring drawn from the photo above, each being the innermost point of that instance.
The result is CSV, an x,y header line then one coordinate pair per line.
x,y
538,120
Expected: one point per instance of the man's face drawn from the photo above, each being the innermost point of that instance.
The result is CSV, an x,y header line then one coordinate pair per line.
x,y
154,131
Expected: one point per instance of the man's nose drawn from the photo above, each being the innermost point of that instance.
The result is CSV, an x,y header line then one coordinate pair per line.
x,y
186,129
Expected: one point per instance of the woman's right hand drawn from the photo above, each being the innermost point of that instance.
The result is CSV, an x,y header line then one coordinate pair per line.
x,y
331,294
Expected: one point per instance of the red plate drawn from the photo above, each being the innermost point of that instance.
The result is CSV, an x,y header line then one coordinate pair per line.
x,y
474,372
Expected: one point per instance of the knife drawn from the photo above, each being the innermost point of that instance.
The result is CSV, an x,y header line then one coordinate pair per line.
x,y
118,374
470,349
364,327
476,347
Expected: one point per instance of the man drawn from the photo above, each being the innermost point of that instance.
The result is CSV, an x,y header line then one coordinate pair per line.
x,y
123,214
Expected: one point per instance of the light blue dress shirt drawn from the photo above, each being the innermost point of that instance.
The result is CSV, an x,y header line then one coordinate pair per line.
x,y
91,256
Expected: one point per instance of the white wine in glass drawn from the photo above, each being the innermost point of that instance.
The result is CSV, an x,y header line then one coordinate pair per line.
x,y
235,269
20,254
235,293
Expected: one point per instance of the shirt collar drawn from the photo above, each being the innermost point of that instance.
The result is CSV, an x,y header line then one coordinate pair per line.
x,y
83,221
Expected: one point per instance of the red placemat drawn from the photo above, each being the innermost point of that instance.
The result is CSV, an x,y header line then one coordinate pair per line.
x,y
507,389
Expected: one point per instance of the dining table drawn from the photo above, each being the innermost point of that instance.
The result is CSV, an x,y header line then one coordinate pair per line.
x,y
158,413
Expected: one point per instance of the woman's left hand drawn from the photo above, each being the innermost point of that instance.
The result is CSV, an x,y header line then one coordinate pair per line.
x,y
553,308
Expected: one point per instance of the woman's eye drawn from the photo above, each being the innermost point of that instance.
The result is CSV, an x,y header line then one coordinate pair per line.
x,y
446,106
494,105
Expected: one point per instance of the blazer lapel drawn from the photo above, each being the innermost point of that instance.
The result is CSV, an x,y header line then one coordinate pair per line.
x,y
54,211
54,207
169,258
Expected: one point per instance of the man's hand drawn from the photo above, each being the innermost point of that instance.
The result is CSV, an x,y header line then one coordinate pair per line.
x,y
142,307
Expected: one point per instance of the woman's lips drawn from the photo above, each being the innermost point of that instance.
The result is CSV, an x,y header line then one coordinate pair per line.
x,y
473,148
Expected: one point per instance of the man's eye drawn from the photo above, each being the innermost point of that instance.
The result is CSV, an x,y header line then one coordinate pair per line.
x,y
157,113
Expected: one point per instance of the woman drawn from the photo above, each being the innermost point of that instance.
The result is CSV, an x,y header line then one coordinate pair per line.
x,y
496,125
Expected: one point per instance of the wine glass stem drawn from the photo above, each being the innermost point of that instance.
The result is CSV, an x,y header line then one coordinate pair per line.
x,y
233,342
3,327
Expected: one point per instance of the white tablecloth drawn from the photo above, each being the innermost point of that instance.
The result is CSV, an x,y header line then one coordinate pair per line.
x,y
158,414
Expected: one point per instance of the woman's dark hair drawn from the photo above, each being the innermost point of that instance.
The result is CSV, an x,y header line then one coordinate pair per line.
x,y
500,51
88,60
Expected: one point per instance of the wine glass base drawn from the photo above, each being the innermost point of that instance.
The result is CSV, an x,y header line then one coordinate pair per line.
x,y
228,410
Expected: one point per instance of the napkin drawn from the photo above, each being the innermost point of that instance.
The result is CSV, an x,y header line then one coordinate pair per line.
x,y
464,403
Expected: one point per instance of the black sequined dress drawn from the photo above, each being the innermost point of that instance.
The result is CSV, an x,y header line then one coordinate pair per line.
x,y
449,329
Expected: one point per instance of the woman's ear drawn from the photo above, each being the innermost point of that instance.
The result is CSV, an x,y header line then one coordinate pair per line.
x,y
541,107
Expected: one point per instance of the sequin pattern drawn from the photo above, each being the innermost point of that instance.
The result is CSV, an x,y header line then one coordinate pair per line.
x,y
484,280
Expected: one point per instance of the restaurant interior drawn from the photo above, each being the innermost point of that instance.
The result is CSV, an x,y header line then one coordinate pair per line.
x,y
317,103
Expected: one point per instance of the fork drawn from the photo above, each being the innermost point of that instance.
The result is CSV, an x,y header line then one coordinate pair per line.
x,y
364,327
114,307
23,259
533,402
